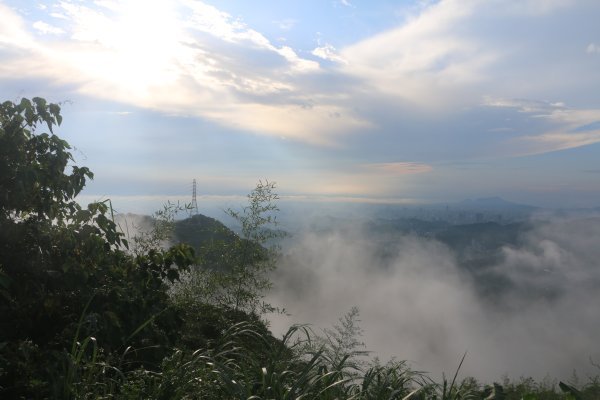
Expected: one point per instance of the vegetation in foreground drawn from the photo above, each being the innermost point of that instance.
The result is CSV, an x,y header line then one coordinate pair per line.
x,y
85,313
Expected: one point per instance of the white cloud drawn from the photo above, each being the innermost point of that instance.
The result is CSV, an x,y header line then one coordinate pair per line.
x,y
444,58
567,125
200,62
205,62
210,20
449,53
298,64
13,32
524,105
328,52
553,141
286,24
593,48
425,60
58,15
45,28
109,4
571,130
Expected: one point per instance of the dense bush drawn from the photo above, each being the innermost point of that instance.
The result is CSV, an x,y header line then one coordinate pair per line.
x,y
64,272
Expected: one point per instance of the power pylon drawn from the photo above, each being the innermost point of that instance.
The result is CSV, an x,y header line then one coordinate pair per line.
x,y
194,205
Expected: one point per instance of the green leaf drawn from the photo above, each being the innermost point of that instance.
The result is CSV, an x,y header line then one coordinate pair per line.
x,y
529,396
570,390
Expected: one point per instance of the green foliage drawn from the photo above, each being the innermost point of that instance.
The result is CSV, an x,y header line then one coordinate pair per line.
x,y
248,279
344,339
203,234
56,257
160,232
246,363
233,271
32,178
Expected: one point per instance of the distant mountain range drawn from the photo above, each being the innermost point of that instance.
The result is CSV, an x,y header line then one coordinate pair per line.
x,y
495,203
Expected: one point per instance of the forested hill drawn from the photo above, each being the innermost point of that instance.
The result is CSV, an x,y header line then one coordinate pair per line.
x,y
200,230
213,242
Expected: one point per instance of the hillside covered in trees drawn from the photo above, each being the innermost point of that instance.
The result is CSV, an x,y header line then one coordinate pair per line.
x,y
87,313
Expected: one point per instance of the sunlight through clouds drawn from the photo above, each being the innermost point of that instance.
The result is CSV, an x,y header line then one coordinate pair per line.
x,y
13,33
164,55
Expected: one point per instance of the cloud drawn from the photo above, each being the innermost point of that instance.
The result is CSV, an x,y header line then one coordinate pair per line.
x,y
294,121
553,141
13,33
525,105
200,62
109,4
592,48
45,28
444,60
400,168
424,59
286,24
578,129
440,61
561,127
209,19
571,128
418,303
445,57
328,52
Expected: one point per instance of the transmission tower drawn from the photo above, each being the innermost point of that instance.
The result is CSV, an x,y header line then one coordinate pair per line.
x,y
194,205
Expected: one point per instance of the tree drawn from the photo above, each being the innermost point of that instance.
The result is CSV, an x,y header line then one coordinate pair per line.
x,y
233,272
160,232
32,178
249,280
64,271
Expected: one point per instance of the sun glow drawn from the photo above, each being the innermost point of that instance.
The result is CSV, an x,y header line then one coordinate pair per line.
x,y
136,49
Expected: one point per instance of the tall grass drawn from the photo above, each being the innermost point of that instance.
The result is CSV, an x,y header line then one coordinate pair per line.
x,y
247,363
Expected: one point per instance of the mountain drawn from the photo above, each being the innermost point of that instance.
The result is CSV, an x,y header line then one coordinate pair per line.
x,y
199,231
217,246
495,203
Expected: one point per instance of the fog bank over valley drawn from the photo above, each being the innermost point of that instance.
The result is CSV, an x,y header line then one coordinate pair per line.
x,y
519,298
518,290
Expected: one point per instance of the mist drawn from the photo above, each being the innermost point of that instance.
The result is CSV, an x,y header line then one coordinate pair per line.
x,y
419,303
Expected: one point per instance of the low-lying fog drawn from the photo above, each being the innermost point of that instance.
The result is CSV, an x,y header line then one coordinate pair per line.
x,y
418,303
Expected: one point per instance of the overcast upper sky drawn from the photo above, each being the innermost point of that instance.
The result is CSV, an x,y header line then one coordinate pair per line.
x,y
379,100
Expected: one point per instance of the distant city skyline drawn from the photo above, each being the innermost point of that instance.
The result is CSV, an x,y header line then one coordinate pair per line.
x,y
341,100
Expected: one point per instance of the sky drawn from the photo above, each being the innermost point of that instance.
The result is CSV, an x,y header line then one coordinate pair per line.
x,y
337,100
